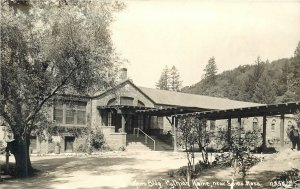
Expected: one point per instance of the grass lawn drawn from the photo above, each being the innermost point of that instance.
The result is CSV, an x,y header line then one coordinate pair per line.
x,y
137,170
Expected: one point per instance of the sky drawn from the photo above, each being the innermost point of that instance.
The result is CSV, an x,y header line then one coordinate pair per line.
x,y
151,34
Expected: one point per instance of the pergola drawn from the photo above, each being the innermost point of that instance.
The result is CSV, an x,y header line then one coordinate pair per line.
x,y
123,110
237,113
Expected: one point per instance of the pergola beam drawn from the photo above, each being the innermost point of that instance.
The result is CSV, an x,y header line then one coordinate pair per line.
x,y
267,110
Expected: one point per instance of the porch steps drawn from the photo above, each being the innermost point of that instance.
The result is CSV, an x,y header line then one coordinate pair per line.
x,y
137,146
161,145
135,143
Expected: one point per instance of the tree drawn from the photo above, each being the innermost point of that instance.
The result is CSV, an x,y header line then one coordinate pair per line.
x,y
253,79
175,82
188,140
194,133
54,48
210,71
164,80
264,91
295,75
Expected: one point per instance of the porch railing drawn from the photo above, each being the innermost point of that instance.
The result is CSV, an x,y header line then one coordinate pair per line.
x,y
136,132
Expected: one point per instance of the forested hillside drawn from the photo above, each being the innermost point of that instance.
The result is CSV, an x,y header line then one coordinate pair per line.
x,y
263,82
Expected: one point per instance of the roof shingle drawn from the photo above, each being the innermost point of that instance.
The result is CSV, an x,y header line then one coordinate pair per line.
x,y
165,97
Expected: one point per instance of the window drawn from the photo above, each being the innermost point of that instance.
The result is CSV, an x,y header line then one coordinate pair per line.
x,y
255,124
58,112
140,122
212,125
160,122
81,113
111,102
70,112
273,125
109,118
128,101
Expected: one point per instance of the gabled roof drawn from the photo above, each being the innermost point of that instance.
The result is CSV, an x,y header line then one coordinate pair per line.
x,y
164,97
172,98
119,85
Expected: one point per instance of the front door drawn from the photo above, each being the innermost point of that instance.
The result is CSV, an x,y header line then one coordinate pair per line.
x,y
69,142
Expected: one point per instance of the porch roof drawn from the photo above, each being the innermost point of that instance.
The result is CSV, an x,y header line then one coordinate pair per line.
x,y
153,111
124,107
169,111
268,110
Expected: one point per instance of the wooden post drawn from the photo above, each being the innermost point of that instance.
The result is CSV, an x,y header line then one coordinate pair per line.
x,y
282,130
123,122
229,131
264,133
240,128
175,123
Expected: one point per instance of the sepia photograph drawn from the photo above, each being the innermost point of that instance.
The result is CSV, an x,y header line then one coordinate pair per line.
x,y
150,94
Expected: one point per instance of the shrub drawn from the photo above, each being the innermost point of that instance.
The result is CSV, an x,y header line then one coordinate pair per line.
x,y
267,150
182,171
223,160
82,148
287,179
97,139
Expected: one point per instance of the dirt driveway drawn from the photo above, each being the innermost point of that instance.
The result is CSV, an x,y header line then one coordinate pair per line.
x,y
136,170
107,170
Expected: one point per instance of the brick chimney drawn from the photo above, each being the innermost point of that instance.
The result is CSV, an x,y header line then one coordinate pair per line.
x,y
123,74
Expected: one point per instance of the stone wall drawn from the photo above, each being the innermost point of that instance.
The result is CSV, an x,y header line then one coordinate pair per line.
x,y
127,90
272,134
115,141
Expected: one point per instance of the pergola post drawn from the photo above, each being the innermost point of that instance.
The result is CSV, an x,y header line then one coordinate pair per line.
x,y
175,123
264,133
229,131
240,128
282,130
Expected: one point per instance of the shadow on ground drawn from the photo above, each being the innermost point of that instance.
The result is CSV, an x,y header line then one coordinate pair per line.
x,y
209,180
50,170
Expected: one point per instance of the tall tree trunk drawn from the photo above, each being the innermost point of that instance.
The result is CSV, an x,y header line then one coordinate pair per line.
x,y
21,154
30,168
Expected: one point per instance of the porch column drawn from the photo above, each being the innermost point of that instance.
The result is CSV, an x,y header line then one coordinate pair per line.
x,y
175,123
282,130
264,133
123,122
229,131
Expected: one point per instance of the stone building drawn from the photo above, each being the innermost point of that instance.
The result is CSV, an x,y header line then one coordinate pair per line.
x,y
120,110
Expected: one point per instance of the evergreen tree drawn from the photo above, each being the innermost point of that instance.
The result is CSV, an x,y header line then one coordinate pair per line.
x,y
295,75
253,79
264,91
288,96
175,82
283,83
164,80
210,71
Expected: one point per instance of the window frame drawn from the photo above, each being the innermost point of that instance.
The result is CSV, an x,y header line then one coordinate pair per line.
x,y
76,107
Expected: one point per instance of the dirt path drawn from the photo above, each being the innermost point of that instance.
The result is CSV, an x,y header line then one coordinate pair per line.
x,y
136,170
107,170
